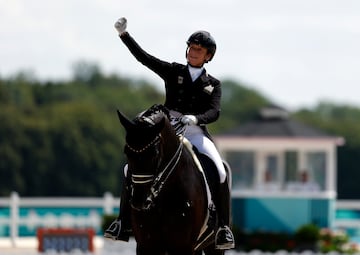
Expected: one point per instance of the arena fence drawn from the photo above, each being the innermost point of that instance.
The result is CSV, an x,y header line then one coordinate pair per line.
x,y
23,216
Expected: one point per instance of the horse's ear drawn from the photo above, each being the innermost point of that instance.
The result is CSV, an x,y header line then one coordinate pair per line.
x,y
127,123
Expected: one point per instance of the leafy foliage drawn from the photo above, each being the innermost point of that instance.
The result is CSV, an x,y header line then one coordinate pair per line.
x,y
63,138
308,237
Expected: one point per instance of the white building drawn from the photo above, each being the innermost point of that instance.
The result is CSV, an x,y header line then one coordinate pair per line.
x,y
283,172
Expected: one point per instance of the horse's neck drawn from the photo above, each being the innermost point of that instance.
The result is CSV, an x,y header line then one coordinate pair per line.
x,y
171,140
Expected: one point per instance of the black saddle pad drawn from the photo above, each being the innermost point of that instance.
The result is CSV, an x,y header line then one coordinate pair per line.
x,y
211,173
213,180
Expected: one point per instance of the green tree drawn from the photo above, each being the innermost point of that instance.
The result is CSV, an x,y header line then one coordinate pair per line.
x,y
63,137
239,104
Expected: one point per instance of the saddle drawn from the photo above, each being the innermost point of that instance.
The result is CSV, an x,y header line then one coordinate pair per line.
x,y
211,180
206,164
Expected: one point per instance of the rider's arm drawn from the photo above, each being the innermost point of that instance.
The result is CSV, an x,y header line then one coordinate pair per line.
x,y
158,66
212,110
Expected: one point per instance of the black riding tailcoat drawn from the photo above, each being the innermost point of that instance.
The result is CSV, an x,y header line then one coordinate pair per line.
x,y
200,98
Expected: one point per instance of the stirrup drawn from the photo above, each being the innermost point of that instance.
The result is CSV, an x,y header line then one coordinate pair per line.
x,y
114,232
224,239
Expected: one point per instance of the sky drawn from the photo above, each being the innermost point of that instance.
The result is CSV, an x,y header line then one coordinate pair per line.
x,y
297,53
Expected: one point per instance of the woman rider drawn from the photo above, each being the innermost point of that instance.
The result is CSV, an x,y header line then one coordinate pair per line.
x,y
194,93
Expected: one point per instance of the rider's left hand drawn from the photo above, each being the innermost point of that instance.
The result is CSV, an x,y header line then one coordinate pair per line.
x,y
189,120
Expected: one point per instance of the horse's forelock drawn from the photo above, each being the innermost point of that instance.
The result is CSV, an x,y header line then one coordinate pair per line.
x,y
147,126
149,118
153,115
145,130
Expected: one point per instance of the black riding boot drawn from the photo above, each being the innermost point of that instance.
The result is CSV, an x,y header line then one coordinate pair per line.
x,y
120,229
224,238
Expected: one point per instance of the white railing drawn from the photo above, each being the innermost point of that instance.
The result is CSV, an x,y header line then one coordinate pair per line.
x,y
33,220
108,204
348,223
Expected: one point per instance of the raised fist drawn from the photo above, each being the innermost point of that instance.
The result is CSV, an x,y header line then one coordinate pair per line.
x,y
120,25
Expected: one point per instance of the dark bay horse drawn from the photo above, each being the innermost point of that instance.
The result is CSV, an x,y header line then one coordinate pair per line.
x,y
168,193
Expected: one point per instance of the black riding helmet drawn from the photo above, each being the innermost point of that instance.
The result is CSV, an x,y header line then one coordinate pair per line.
x,y
204,39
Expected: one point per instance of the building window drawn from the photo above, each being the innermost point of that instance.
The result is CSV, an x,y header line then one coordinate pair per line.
x,y
272,168
291,166
242,164
316,165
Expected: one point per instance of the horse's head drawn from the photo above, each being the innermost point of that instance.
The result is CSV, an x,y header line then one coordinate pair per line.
x,y
145,136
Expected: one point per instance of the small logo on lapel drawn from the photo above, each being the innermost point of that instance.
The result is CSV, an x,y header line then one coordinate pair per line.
x,y
180,80
209,89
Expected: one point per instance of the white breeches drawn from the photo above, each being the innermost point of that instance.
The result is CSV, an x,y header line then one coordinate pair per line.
x,y
196,136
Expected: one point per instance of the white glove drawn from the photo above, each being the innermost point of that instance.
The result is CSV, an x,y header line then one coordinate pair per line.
x,y
120,25
189,120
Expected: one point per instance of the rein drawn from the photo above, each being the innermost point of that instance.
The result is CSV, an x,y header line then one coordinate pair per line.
x,y
159,182
161,179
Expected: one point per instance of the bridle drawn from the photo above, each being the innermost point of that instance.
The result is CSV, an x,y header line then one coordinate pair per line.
x,y
156,139
158,182
144,178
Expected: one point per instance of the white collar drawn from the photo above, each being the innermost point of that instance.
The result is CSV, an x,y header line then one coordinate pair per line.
x,y
195,72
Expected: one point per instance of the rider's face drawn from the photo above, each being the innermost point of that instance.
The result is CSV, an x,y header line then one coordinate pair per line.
x,y
197,55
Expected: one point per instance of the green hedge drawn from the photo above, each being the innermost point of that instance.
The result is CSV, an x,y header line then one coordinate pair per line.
x,y
306,237
107,219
